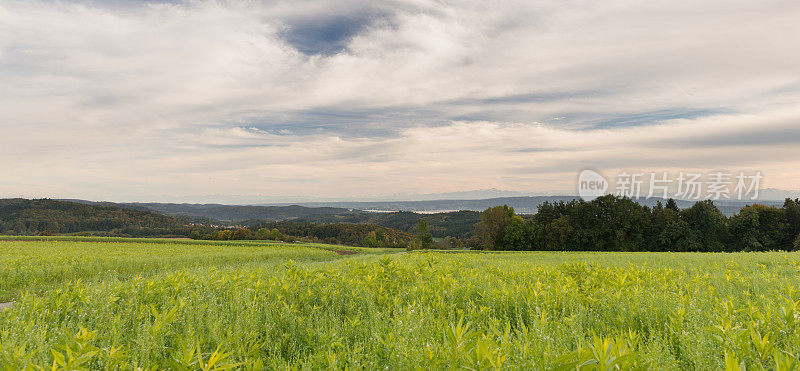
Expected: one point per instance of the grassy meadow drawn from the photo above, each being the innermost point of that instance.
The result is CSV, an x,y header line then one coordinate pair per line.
x,y
126,304
35,265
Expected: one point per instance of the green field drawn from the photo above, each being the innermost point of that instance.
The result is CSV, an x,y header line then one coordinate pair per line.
x,y
123,304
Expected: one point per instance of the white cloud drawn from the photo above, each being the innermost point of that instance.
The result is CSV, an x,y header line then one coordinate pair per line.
x,y
210,98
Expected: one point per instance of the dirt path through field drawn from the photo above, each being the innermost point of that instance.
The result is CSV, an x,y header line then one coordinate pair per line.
x,y
6,305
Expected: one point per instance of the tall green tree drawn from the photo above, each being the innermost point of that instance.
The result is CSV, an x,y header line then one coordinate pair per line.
x,y
558,234
515,236
672,205
262,234
371,240
709,227
424,238
242,234
791,210
620,222
275,234
758,228
494,221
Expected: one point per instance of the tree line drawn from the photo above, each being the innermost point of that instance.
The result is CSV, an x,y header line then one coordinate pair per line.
x,y
45,216
612,223
608,223
52,217
456,224
341,234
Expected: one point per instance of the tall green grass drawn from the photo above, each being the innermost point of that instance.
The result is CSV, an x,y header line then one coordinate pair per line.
x,y
36,265
425,311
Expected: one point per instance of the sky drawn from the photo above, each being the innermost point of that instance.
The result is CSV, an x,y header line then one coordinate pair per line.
x,y
204,101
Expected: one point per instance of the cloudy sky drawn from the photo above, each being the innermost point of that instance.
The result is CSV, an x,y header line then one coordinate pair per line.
x,y
262,100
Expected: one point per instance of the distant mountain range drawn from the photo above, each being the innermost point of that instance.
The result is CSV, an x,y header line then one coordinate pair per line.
x,y
777,194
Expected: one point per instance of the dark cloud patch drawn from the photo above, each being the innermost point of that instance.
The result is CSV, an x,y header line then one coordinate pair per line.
x,y
524,107
759,136
330,34
644,118
380,122
386,122
537,149
124,4
530,97
588,120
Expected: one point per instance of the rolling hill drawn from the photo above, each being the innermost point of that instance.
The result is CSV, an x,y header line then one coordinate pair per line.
x,y
21,216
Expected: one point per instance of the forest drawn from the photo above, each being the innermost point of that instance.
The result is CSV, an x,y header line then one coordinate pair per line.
x,y
612,223
45,216
368,235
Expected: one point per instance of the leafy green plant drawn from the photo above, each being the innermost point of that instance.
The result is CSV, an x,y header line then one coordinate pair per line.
x,y
299,306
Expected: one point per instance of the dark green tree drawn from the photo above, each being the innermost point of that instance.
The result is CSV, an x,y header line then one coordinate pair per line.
x,y
262,234
758,228
371,240
242,234
275,234
558,234
709,228
791,210
424,238
672,205
493,225
619,221
515,236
